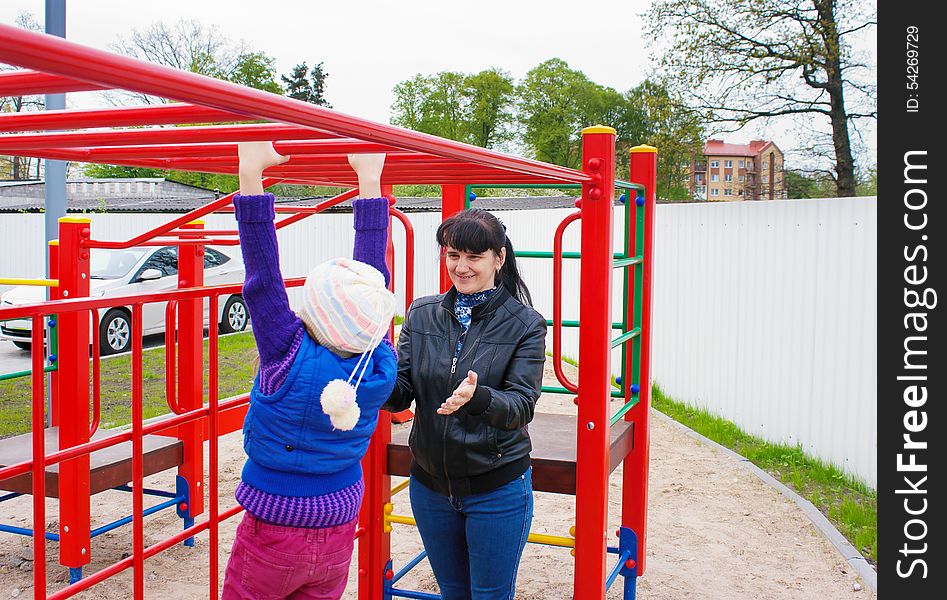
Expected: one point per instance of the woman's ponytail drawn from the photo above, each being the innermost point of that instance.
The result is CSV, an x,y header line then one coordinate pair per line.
x,y
510,276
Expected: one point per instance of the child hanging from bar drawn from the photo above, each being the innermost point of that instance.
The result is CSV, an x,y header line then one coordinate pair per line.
x,y
323,376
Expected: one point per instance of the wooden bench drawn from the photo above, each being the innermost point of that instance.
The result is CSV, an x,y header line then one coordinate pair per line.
x,y
553,455
109,467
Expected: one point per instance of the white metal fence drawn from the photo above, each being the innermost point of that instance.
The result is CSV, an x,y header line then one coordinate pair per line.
x,y
764,312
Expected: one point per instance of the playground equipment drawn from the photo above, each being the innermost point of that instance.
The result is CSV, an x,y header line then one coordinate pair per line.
x,y
72,460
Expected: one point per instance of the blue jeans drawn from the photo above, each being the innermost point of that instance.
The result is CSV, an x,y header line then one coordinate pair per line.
x,y
474,543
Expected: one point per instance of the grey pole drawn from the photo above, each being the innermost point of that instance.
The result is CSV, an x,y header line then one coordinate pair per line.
x,y
55,201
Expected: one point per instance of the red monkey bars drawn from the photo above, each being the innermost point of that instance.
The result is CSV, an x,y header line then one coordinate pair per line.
x,y
318,141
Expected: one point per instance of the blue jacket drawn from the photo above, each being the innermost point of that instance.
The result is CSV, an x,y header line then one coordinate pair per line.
x,y
291,446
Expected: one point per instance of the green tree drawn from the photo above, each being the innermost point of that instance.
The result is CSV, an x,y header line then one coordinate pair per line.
x,y
657,119
190,46
120,172
490,112
308,87
554,106
408,108
739,61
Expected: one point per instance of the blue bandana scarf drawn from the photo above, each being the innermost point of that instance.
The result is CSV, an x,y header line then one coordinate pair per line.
x,y
463,306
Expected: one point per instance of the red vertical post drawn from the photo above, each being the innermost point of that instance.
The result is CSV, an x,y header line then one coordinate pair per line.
x,y
191,368
374,545
644,169
73,361
591,502
53,295
452,202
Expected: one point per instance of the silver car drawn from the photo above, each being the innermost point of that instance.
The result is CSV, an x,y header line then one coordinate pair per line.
x,y
137,271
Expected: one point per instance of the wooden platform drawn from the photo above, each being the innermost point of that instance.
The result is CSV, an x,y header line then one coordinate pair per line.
x,y
553,454
109,467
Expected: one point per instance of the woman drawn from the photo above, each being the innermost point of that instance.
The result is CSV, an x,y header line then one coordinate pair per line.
x,y
472,359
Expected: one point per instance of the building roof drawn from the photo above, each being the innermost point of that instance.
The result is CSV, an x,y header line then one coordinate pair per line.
x,y
721,148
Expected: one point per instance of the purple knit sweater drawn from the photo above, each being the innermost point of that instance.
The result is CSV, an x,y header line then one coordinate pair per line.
x,y
278,333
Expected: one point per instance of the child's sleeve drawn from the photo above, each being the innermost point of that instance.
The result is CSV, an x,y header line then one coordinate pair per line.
x,y
371,238
275,325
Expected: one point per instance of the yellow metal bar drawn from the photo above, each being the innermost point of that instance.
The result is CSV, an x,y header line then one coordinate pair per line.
x,y
400,486
39,282
535,538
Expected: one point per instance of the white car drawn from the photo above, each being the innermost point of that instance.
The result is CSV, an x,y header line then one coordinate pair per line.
x,y
131,272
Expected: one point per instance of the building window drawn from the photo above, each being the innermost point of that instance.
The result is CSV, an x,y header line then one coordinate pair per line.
x,y
728,192
728,177
727,164
742,177
715,177
714,192
714,164
741,164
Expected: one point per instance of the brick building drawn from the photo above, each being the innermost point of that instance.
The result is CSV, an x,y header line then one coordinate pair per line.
x,y
728,172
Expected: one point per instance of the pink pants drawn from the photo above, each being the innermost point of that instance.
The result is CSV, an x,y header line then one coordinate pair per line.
x,y
276,561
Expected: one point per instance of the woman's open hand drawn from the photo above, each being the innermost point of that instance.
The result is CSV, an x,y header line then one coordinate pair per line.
x,y
461,396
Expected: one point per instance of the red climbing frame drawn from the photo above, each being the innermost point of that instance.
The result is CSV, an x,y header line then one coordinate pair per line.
x,y
318,140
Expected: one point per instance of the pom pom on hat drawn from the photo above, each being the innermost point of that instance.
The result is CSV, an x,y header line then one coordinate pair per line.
x,y
346,305
338,401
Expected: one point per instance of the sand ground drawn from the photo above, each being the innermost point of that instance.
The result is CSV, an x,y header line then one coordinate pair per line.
x,y
714,531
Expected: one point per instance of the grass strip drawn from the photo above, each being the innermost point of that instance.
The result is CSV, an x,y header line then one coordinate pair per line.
x,y
237,368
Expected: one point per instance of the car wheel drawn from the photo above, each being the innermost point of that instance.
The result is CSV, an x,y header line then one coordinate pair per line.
x,y
115,332
235,316
23,345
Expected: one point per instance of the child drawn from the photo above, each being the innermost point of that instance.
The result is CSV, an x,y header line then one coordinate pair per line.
x,y
314,405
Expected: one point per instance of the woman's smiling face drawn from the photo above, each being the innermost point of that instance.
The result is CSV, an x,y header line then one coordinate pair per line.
x,y
471,273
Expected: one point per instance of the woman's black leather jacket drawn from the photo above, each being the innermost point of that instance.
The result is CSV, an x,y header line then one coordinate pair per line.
x,y
485,444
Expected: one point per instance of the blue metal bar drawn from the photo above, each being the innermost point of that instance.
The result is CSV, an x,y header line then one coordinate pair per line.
x,y
617,569
150,492
126,520
411,564
412,594
54,537
9,496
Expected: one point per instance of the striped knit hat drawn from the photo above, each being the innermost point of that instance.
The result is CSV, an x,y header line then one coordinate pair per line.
x,y
346,306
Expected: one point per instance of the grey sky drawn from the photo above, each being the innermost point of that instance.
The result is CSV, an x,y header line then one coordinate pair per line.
x,y
369,46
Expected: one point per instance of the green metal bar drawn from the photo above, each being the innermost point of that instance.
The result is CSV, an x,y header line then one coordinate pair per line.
x,y
621,411
627,262
545,254
554,389
638,288
27,373
624,185
620,326
467,189
625,337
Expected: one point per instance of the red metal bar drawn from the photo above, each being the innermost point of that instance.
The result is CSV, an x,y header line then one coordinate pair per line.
x,y
408,255
58,56
191,368
591,501
170,360
138,499
80,304
644,168
35,83
39,460
128,116
452,202
96,375
74,425
54,294
170,225
203,135
557,302
213,442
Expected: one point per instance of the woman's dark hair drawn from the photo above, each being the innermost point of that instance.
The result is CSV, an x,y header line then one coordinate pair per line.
x,y
476,231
